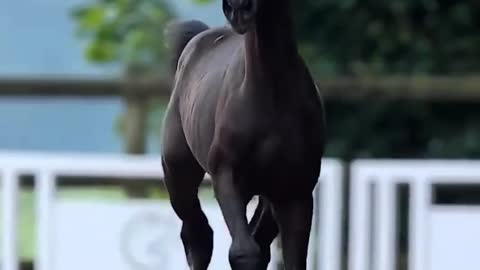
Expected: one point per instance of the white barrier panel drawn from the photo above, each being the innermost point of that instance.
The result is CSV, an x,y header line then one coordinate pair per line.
x,y
421,175
47,167
118,235
132,235
454,238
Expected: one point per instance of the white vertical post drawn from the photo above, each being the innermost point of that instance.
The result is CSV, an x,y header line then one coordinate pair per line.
x,y
314,240
10,187
385,220
276,255
331,221
359,221
45,192
420,200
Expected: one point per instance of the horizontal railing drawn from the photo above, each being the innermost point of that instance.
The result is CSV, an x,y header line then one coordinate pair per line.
x,y
425,88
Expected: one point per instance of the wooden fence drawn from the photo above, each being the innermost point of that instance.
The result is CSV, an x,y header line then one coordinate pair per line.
x,y
137,92
463,89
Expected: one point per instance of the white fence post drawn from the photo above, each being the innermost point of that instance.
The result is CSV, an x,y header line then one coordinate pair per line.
x,y
45,187
10,201
420,199
385,242
330,216
359,229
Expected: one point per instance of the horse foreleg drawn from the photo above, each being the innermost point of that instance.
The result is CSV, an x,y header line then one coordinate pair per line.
x,y
183,176
244,251
295,219
197,235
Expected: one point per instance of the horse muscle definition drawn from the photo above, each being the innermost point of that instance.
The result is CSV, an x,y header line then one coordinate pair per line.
x,y
245,109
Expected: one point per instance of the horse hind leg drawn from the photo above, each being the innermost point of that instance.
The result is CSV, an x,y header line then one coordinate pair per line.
x,y
264,229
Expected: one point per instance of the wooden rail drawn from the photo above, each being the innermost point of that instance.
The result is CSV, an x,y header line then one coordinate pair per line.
x,y
463,89
83,87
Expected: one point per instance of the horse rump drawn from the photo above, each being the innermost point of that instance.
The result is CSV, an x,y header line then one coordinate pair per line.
x,y
177,36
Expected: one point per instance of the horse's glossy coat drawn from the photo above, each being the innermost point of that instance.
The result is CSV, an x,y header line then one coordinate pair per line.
x,y
245,109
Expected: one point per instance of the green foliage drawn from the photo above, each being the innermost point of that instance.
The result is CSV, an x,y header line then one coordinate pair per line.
x,y
201,2
353,37
128,33
402,130
125,32
375,38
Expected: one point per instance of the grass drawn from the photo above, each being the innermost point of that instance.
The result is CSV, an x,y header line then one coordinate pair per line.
x,y
27,224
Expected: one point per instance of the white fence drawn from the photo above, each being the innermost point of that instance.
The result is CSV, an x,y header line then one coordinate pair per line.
x,y
46,168
440,237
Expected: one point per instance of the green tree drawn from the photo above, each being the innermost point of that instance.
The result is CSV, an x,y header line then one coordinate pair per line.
x,y
127,33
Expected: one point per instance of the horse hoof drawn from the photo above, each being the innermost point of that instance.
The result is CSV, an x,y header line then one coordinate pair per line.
x,y
247,264
247,257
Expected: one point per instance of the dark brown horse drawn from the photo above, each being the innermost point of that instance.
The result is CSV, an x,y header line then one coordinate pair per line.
x,y
244,109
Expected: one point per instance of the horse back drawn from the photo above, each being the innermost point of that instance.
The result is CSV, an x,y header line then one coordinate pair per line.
x,y
207,54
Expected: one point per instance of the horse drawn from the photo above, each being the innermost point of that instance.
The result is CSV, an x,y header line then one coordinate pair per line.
x,y
244,109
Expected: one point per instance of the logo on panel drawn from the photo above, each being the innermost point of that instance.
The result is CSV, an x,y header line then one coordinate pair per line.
x,y
146,239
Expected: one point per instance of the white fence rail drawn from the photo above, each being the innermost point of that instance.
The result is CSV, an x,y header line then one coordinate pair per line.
x,y
46,168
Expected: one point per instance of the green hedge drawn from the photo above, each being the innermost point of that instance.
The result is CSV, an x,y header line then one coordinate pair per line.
x,y
403,130
397,36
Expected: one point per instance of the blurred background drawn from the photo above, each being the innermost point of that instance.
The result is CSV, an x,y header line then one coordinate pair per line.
x,y
399,79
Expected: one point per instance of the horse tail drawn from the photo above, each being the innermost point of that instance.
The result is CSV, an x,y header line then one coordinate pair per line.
x,y
177,36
